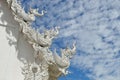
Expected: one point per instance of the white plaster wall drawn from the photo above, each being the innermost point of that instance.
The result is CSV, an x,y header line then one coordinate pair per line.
x,y
13,47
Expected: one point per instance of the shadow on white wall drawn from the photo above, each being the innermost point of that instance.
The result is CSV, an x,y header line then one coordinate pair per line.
x,y
13,47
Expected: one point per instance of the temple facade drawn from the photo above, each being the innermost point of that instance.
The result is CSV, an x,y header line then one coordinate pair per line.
x,y
25,53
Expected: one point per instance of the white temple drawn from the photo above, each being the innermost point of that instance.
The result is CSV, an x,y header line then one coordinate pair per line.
x,y
25,53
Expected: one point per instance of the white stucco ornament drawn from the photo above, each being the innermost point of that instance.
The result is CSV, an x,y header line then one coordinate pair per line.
x,y
46,65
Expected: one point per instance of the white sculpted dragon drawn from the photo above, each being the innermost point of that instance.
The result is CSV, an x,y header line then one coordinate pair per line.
x,y
46,66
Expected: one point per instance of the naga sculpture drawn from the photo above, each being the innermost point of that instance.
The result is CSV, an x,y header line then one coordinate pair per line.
x,y
21,14
47,65
63,62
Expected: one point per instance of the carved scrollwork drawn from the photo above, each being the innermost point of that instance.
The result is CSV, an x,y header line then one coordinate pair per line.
x,y
45,60
34,71
63,62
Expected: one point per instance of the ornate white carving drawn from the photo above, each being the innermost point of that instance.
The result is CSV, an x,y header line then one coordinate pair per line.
x,y
34,72
46,66
63,62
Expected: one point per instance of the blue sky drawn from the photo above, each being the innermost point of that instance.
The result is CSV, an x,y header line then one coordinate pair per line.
x,y
94,24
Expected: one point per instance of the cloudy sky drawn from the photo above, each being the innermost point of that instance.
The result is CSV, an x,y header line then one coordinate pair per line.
x,y
94,24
